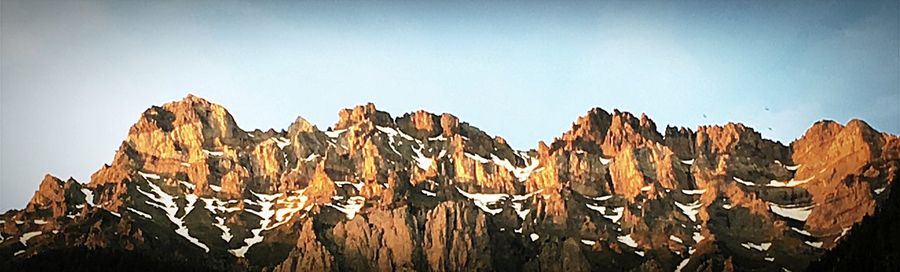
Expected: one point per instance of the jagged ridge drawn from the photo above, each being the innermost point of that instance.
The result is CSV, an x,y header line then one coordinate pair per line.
x,y
427,192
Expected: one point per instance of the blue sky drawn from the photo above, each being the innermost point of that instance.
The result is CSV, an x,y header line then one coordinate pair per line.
x,y
74,75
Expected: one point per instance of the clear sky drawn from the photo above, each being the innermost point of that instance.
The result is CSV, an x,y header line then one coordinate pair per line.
x,y
74,75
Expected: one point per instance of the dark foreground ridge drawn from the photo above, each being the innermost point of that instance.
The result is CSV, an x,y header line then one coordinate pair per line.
x,y
190,190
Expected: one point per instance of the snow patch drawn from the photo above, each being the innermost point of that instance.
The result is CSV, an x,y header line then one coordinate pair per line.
x,y
88,196
694,192
476,157
226,232
797,213
588,242
311,157
213,153
166,202
422,161
521,173
290,205
741,181
788,167
814,244
429,193
605,161
353,206
140,213
697,237
759,247
266,213
335,133
148,175
483,200
534,236
395,132
676,239
682,264
603,198
520,211
617,212
281,142
357,185
688,162
790,183
800,231
691,210
28,235
215,205
215,188
627,240
843,233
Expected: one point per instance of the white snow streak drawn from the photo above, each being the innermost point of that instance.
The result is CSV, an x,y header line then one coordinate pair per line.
x,y
140,213
166,202
627,240
335,134
797,213
814,244
617,212
694,192
741,181
691,210
476,157
353,206
759,247
790,183
483,200
28,235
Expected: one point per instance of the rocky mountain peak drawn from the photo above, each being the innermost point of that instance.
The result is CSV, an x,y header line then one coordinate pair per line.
x,y
50,190
587,133
422,124
601,132
360,114
426,191
301,125
626,130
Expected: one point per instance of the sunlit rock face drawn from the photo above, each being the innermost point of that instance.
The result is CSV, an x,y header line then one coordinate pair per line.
x,y
428,192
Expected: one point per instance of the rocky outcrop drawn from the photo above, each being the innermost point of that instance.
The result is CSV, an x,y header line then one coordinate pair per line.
x,y
456,239
308,254
836,158
380,241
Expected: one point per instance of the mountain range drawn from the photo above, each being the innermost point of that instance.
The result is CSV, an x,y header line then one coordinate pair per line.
x,y
190,190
